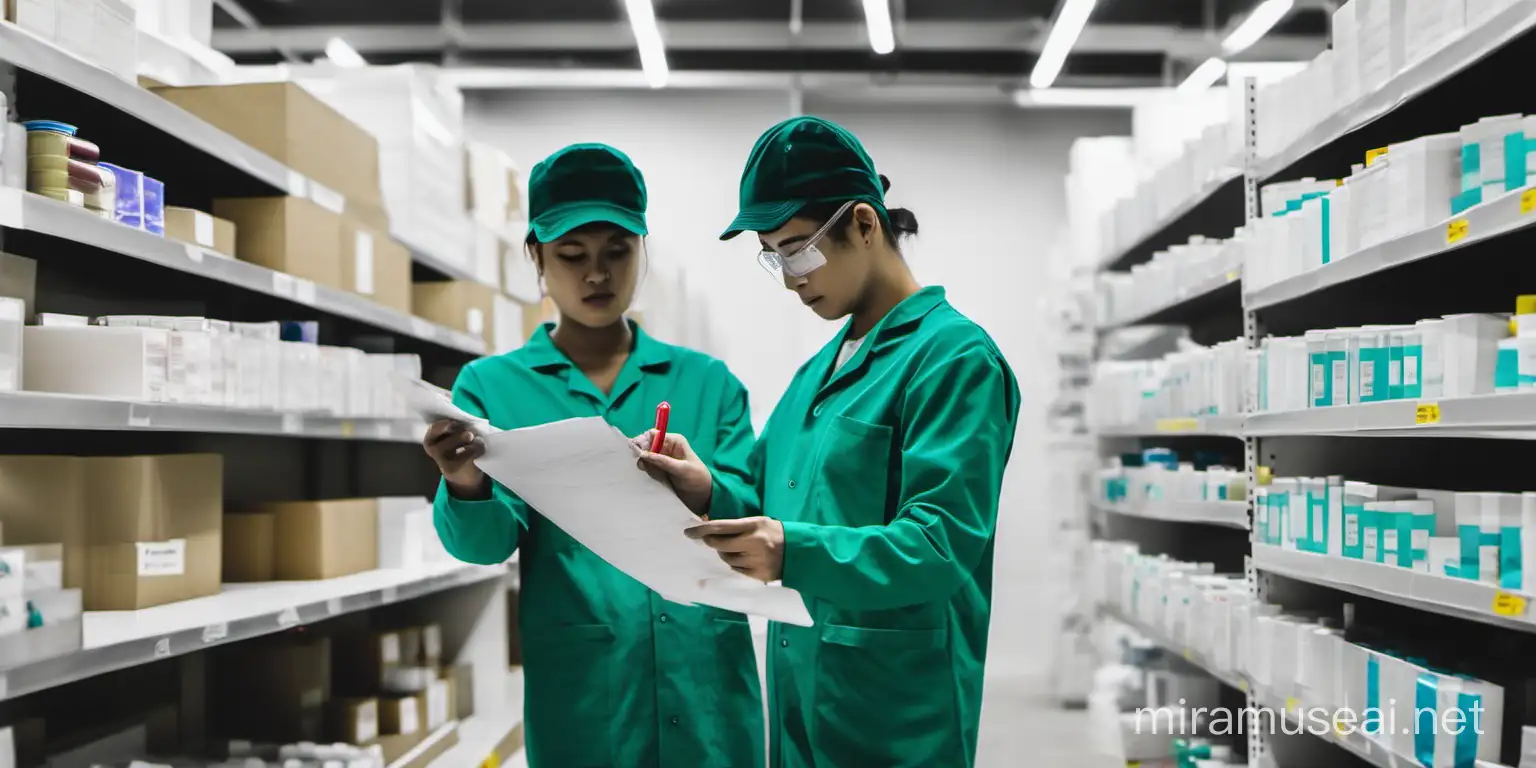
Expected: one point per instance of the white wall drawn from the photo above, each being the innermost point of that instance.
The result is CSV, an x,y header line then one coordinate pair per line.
x,y
987,185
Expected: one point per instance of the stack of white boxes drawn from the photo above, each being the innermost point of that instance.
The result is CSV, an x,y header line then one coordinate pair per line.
x,y
419,125
1169,277
100,31
198,361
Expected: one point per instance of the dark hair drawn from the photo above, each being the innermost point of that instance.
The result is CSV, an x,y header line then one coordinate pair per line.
x,y
531,244
903,223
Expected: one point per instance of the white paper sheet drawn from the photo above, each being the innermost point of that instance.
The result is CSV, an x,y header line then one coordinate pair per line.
x,y
580,474
431,404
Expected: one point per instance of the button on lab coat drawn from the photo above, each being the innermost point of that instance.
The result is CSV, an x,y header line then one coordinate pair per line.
x,y
616,676
885,474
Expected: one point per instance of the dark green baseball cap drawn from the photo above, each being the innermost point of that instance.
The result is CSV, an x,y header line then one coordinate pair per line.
x,y
800,161
583,184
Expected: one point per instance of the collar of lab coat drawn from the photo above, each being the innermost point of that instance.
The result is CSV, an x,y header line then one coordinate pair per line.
x,y
891,330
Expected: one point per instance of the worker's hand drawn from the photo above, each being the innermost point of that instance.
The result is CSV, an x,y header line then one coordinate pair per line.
x,y
677,463
752,545
455,449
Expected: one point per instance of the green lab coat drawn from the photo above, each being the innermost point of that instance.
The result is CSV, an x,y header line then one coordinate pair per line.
x,y
616,676
886,476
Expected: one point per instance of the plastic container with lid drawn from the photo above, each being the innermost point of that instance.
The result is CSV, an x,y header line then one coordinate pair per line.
x,y
129,201
154,205
48,138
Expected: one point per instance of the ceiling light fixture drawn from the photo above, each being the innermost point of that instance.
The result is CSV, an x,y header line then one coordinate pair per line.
x,y
653,55
1259,23
343,55
1204,76
1064,32
877,19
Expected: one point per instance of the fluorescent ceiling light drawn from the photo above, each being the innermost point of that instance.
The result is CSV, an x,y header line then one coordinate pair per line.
x,y
1204,76
1087,97
342,54
1069,24
1259,23
653,56
877,18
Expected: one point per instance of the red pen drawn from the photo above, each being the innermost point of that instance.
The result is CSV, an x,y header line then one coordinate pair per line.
x,y
663,412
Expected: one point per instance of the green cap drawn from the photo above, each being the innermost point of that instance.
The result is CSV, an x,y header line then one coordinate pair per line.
x,y
583,184
800,161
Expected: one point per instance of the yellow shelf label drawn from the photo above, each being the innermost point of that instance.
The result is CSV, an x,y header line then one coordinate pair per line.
x,y
1291,703
1242,685
1189,655
1264,475
1456,231
1427,413
1178,425
1527,201
1233,275
1371,156
347,428
1506,604
492,760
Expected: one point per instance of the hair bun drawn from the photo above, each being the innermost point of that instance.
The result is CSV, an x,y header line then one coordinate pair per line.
x,y
903,221
885,183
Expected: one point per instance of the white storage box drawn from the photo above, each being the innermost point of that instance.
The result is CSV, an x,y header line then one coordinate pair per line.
x,y
128,363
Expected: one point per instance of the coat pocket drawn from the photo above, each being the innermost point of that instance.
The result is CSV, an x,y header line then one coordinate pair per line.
x,y
885,697
570,673
853,473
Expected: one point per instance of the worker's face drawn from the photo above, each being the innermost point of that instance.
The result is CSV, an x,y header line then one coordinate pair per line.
x,y
832,290
590,273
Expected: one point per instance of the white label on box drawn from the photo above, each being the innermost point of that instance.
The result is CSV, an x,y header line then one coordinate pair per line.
x,y
304,291
138,415
292,423
10,208
288,617
298,186
1367,378
333,606
327,198
408,719
215,632
1411,370
202,229
437,704
163,648
423,329
383,430
1317,382
1395,373
1389,541
368,721
282,284
391,594
389,649
474,320
1351,530
1340,384
194,253
162,558
362,252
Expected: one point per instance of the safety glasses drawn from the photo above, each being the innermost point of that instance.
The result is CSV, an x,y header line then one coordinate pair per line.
x,y
805,259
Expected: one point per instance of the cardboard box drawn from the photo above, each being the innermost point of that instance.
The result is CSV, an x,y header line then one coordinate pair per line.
x,y
410,646
190,225
402,715
356,720
439,704
458,304
272,690
288,234
136,531
461,682
18,280
360,661
375,266
325,539
295,128
431,645
249,546
125,363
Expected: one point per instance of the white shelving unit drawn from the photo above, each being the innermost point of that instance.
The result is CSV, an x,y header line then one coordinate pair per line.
x,y
115,640
1461,52
1200,290
40,410
1508,213
34,213
1210,426
480,734
1230,514
1184,209
1231,678
1510,416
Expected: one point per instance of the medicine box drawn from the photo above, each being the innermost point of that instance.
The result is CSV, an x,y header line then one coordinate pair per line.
x,y
375,266
201,229
126,363
287,234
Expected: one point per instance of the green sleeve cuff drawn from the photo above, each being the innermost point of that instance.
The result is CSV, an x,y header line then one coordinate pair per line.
x,y
723,504
476,531
802,555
